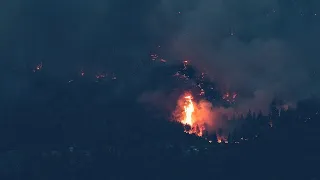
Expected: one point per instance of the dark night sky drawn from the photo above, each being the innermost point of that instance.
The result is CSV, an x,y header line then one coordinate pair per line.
x,y
264,47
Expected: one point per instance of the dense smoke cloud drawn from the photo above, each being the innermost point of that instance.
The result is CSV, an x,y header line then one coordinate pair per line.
x,y
261,48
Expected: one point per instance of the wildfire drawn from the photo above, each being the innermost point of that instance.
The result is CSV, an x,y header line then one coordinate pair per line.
x,y
188,110
190,115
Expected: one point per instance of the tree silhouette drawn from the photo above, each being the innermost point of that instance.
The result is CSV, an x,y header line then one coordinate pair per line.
x,y
230,140
214,137
234,135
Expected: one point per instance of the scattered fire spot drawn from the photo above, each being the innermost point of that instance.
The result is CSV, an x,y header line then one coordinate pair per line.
x,y
38,67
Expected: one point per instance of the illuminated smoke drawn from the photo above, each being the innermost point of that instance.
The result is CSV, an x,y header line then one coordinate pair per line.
x,y
198,117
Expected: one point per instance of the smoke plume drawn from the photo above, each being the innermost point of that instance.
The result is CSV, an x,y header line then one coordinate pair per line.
x,y
257,47
261,48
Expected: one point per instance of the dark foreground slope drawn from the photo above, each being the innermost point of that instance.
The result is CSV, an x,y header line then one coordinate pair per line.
x,y
246,161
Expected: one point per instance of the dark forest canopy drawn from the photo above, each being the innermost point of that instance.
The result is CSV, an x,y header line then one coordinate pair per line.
x,y
89,110
86,129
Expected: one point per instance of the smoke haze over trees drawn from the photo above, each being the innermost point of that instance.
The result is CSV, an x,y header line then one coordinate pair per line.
x,y
260,48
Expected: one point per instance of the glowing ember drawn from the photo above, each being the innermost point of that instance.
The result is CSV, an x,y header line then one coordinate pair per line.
x,y
185,64
100,76
231,98
163,60
202,92
38,67
154,57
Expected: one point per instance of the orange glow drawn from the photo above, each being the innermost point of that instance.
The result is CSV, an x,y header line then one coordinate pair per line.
x,y
222,139
188,110
193,115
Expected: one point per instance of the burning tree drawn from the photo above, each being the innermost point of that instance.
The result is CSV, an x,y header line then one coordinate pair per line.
x,y
194,116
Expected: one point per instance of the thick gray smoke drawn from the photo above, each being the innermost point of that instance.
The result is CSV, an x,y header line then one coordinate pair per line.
x,y
261,48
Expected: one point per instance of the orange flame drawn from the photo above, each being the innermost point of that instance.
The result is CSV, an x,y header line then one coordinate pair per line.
x,y
188,110
188,114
